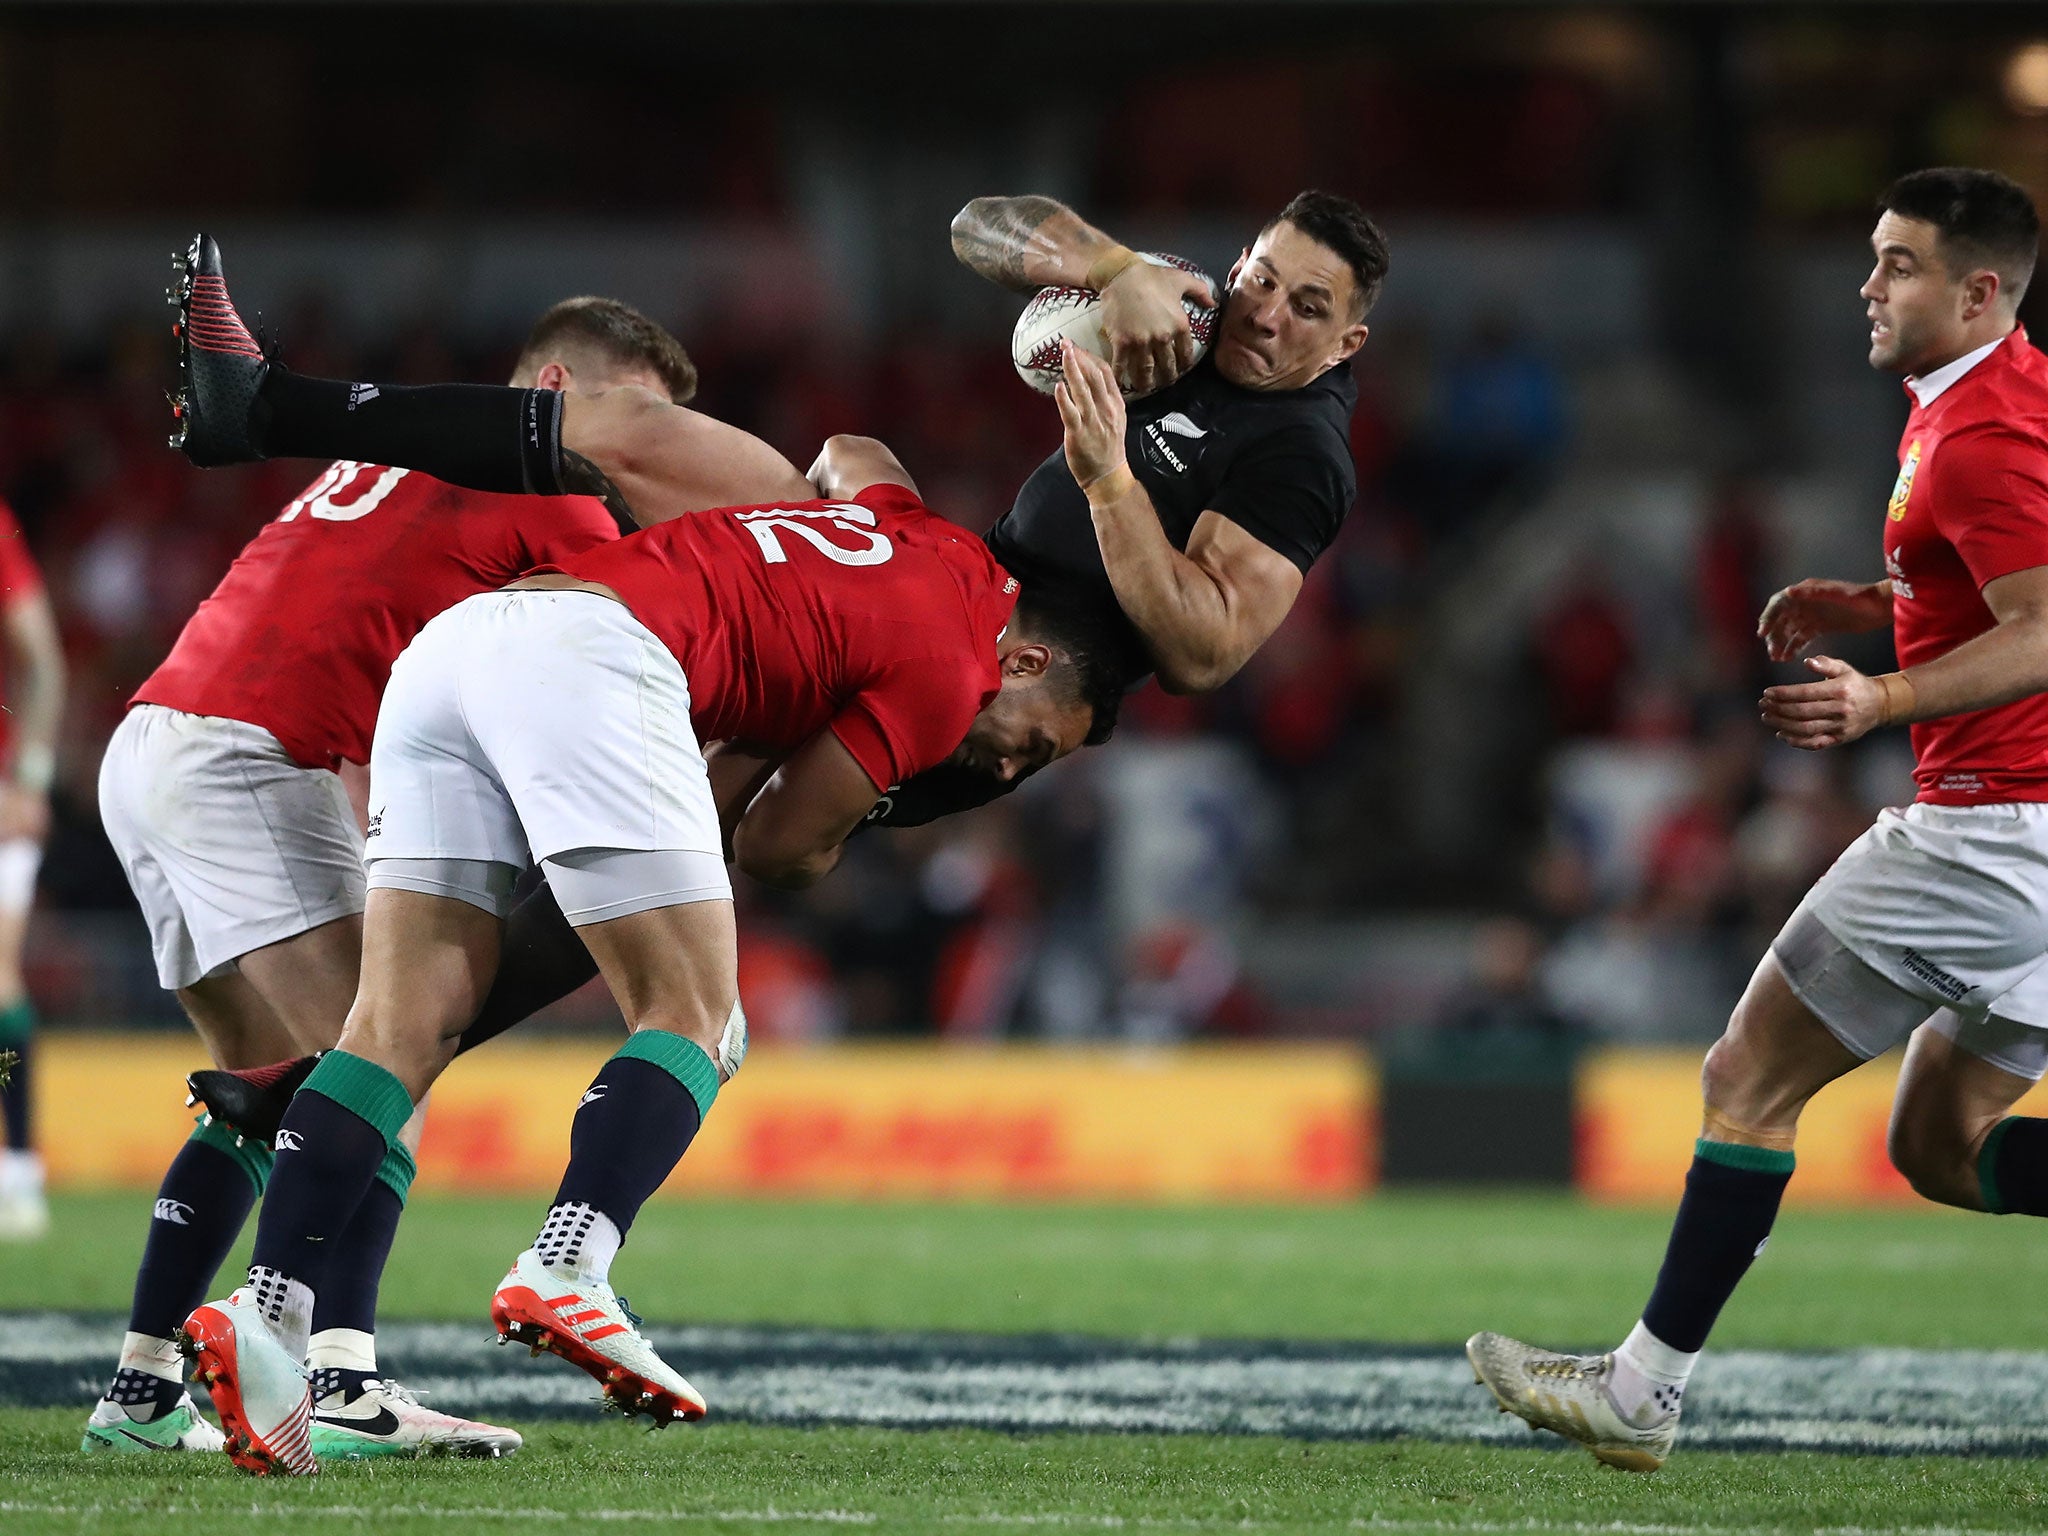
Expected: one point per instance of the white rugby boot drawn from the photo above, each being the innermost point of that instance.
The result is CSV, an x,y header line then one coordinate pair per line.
x,y
1572,1395
585,1323
371,1417
178,1428
260,1392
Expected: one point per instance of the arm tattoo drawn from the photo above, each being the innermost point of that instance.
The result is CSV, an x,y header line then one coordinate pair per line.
x,y
994,235
580,477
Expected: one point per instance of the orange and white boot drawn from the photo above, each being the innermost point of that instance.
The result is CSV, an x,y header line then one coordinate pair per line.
x,y
585,1322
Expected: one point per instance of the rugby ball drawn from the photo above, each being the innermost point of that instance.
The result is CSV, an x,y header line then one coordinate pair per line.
x,y
1075,314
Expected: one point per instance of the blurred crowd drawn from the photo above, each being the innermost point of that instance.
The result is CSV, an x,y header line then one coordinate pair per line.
x,y
1113,896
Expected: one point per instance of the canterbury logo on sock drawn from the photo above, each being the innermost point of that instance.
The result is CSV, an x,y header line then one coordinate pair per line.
x,y
592,1096
173,1211
361,394
288,1141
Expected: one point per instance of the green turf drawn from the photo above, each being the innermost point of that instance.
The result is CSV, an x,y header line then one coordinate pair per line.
x,y
1409,1268
737,1478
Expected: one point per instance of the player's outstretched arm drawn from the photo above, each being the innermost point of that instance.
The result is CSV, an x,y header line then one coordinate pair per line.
x,y
2008,661
1202,613
794,829
1027,243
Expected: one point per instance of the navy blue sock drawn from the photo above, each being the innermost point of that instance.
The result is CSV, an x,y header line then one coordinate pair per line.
x,y
1731,1200
349,1298
636,1121
201,1205
337,1134
2012,1167
17,1034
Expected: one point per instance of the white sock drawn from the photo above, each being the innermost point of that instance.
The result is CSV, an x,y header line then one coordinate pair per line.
x,y
342,1349
21,1173
147,1352
287,1305
580,1239
1650,1373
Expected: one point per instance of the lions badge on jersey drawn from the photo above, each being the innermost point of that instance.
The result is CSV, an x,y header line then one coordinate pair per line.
x,y
1903,491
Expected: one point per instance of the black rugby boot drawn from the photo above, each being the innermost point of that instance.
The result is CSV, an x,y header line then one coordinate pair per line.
x,y
221,366
252,1101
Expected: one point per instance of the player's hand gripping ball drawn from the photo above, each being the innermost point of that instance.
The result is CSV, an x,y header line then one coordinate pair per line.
x,y
1075,314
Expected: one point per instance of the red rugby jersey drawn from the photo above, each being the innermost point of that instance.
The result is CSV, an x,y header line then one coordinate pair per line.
x,y
19,578
1971,505
300,635
872,618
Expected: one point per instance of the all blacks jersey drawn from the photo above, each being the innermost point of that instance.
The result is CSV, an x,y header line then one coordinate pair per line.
x,y
1275,462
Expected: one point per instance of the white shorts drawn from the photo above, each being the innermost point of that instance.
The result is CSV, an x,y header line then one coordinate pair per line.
x,y
228,844
20,859
550,726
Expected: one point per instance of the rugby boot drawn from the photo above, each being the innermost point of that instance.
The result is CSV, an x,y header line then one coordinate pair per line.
x,y
585,1323
260,1392
221,366
178,1428
357,1416
249,1101
1573,1395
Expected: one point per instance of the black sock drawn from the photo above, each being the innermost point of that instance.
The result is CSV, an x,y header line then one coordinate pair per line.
x,y
488,437
18,1034
540,961
349,1297
2012,1167
1731,1199
201,1205
327,1157
636,1121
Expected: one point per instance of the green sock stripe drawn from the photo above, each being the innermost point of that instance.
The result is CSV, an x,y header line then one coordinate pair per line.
x,y
245,1152
398,1170
1754,1159
1987,1166
684,1060
363,1088
17,1023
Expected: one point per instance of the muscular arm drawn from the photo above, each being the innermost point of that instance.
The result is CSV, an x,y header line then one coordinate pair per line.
x,y
848,465
1027,243
36,668
658,461
793,831
2008,661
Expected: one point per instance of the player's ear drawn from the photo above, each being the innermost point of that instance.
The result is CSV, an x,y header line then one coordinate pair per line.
x,y
1028,660
556,377
1980,290
1236,267
1349,343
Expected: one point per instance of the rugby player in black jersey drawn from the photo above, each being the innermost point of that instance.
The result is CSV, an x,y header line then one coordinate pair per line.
x,y
1190,515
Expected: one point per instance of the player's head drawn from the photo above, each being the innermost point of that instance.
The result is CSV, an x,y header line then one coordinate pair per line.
x,y
1299,294
1955,249
596,344
1062,687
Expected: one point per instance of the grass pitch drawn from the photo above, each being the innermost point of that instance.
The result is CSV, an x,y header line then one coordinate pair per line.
x,y
1406,1269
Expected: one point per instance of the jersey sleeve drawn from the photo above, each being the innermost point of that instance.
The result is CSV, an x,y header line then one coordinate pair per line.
x,y
909,718
1991,501
558,527
1290,491
19,575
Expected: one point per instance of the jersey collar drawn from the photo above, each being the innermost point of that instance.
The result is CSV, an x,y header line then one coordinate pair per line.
x,y
1927,388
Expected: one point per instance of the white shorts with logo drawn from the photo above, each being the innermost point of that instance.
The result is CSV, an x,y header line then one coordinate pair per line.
x,y
1937,912
543,725
228,844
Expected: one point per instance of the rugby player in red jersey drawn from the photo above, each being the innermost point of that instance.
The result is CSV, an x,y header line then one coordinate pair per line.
x,y
221,795
840,646
1931,928
28,743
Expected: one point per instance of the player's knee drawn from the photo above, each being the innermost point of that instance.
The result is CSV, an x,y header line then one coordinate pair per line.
x,y
1728,1081
1934,1157
697,1020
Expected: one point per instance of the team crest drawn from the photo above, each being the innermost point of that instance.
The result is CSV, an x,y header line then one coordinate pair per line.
x,y
1903,491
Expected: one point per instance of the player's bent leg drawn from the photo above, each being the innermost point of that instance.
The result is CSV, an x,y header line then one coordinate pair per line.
x,y
1951,1134
309,980
674,971
1776,1054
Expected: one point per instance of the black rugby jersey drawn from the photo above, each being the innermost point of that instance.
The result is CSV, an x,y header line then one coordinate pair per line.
x,y
1275,462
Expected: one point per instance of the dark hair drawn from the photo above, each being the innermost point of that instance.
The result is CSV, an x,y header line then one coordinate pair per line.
x,y
1986,219
1090,661
620,335
1345,228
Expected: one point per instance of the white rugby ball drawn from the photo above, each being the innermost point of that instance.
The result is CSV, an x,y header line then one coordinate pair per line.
x,y
1075,314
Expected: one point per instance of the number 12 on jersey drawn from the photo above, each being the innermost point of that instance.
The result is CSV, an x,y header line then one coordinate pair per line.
x,y
809,524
